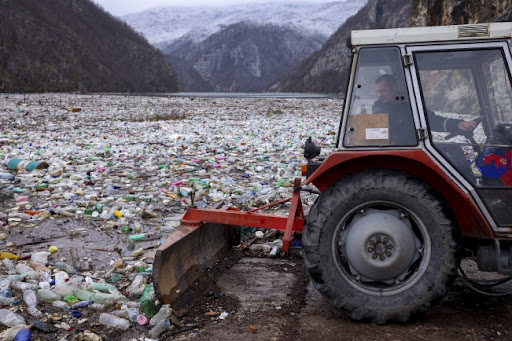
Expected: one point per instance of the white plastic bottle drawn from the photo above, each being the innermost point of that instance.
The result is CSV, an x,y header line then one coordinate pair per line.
x,y
10,319
164,312
114,321
161,327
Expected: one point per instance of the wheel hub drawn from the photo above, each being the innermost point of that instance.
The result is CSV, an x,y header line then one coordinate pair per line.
x,y
379,246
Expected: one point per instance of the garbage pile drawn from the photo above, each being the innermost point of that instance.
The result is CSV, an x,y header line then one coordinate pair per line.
x,y
91,184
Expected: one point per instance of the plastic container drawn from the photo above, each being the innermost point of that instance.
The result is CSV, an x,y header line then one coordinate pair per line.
x,y
10,319
5,284
41,257
142,320
22,285
5,293
29,296
161,327
164,313
104,287
8,264
6,300
82,304
61,278
8,255
6,176
23,335
65,267
137,237
49,296
97,306
60,304
114,321
149,308
132,314
101,298
28,165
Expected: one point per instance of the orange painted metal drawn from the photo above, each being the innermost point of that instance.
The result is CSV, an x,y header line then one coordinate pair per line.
x,y
419,164
231,216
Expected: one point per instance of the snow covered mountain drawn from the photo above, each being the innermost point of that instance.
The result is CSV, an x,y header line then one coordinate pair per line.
x,y
162,26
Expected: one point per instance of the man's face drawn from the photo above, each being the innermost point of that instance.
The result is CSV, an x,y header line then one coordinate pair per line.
x,y
387,93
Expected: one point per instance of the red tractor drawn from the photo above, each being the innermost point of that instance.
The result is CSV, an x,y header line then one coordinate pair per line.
x,y
420,179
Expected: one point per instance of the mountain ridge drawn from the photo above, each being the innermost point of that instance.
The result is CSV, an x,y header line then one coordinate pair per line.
x,y
165,25
75,46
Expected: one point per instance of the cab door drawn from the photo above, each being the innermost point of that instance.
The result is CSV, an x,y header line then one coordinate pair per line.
x,y
465,107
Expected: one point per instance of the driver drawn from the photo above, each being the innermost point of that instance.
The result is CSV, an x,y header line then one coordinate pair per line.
x,y
402,131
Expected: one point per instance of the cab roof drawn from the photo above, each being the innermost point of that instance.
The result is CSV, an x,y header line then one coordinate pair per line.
x,y
432,34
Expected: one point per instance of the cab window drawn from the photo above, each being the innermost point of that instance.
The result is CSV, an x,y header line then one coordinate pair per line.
x,y
380,112
467,99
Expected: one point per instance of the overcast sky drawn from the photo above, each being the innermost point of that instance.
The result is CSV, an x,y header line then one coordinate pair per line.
x,y
122,7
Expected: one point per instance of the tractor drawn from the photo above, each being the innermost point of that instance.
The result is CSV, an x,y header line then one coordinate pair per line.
x,y
420,179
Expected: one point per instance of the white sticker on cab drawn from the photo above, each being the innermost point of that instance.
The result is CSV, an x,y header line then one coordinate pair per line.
x,y
376,133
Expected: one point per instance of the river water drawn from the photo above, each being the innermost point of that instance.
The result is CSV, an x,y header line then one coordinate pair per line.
x,y
240,95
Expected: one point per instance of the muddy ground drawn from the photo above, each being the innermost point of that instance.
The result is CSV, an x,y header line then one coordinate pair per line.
x,y
272,299
266,299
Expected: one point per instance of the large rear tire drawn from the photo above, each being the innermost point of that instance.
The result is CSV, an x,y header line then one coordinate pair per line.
x,y
378,246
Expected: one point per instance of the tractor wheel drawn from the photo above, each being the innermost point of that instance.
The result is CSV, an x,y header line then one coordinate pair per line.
x,y
378,246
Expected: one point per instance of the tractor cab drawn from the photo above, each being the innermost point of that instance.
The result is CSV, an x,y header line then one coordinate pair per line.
x,y
448,92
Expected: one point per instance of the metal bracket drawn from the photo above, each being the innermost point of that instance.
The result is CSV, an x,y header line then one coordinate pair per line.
x,y
407,60
422,134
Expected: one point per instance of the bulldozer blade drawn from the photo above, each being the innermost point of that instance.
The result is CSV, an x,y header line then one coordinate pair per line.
x,y
182,260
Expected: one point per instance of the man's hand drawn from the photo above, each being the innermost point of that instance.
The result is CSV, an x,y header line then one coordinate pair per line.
x,y
466,125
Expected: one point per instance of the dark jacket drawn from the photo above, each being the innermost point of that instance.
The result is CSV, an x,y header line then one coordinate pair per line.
x,y
401,123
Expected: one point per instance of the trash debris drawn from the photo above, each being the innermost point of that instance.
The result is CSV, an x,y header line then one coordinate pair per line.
x,y
114,321
103,184
161,327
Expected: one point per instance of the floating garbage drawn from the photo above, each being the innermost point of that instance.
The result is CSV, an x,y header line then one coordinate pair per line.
x,y
88,193
18,164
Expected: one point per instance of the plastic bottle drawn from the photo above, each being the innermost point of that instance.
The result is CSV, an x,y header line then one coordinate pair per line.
x,y
23,268
8,255
5,284
5,293
65,267
82,304
6,176
29,296
114,321
10,334
161,327
97,307
60,304
40,257
100,298
46,295
10,319
23,335
42,326
21,285
70,299
149,308
8,264
137,286
61,278
104,287
132,314
6,300
137,236
164,312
